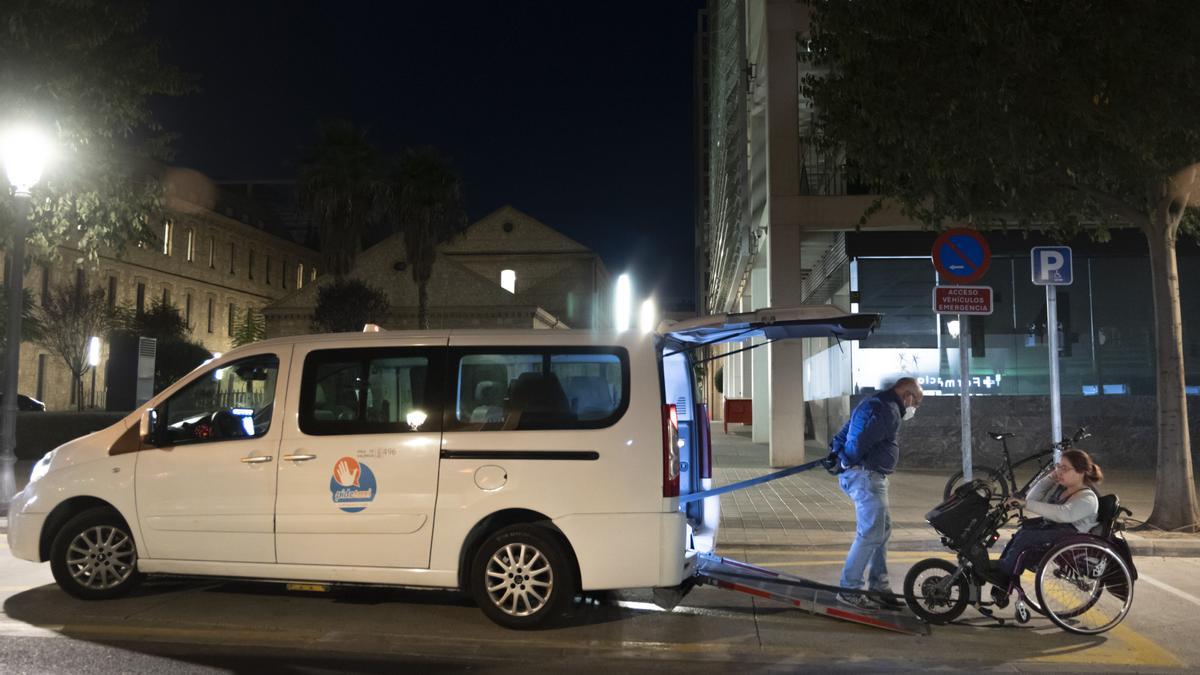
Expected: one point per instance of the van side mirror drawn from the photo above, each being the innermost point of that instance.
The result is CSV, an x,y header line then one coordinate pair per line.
x,y
148,426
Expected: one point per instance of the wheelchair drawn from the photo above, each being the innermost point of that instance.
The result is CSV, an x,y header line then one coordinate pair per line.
x,y
1082,583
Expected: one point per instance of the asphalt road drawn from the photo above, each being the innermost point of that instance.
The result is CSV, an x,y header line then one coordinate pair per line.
x,y
194,627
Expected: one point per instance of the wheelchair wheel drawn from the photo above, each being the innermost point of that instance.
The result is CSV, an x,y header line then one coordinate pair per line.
x,y
1084,587
931,595
995,480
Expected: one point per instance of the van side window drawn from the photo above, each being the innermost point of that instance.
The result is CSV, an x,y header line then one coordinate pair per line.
x,y
232,402
369,391
557,388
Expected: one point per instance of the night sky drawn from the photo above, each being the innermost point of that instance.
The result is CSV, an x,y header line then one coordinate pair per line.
x,y
578,114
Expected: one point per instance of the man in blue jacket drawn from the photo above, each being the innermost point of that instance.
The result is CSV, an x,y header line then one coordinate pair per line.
x,y
868,452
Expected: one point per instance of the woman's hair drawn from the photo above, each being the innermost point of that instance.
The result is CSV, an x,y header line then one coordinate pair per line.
x,y
1082,462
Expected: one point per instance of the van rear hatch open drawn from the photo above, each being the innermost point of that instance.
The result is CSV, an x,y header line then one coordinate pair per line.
x,y
685,420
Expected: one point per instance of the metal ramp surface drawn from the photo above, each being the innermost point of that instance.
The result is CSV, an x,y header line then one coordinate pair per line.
x,y
798,592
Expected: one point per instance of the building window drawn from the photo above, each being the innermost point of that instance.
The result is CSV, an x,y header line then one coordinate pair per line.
x,y
141,297
45,285
187,311
166,297
210,315
212,252
299,275
112,292
191,245
167,227
267,278
283,274
508,280
251,264
232,256
314,274
232,314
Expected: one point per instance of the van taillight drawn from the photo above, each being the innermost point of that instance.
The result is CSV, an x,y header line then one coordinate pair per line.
x,y
670,457
705,432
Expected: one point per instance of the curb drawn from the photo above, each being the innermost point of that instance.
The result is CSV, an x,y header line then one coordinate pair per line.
x,y
1138,546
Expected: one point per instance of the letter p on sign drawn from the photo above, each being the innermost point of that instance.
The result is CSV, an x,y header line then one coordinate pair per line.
x,y
1051,265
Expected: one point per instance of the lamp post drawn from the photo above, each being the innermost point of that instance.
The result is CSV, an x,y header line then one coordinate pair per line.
x,y
24,152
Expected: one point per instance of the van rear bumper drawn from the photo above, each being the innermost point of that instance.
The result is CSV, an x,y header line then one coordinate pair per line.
x,y
627,550
24,529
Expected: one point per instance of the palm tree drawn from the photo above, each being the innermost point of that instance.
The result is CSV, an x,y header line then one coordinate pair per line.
x,y
338,186
423,196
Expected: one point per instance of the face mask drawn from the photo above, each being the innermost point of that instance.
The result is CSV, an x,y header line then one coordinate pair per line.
x,y
910,412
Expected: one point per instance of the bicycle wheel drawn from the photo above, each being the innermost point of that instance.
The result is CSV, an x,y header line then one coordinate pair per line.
x,y
931,595
996,482
1072,581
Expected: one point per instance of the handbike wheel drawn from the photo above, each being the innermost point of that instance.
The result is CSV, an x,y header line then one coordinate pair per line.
x,y
931,594
1072,581
995,480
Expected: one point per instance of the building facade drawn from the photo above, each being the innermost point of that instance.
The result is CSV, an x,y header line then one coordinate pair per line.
x,y
212,261
505,270
781,227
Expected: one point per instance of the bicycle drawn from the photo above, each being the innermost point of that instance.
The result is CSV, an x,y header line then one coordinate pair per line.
x,y
1083,584
1003,480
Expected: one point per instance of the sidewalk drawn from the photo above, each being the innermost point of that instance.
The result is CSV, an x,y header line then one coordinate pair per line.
x,y
809,510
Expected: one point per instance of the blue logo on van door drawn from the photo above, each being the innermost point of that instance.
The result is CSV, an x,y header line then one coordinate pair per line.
x,y
352,485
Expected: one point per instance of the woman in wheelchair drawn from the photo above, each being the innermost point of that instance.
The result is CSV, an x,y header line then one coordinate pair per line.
x,y
1068,504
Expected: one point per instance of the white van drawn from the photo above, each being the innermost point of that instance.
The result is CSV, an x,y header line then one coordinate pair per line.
x,y
522,465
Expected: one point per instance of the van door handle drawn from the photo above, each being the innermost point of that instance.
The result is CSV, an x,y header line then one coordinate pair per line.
x,y
301,457
258,459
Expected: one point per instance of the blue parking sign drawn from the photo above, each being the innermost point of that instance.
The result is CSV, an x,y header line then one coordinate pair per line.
x,y
1051,265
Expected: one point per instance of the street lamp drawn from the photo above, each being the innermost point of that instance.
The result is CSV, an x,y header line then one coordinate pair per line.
x,y
93,363
623,303
24,151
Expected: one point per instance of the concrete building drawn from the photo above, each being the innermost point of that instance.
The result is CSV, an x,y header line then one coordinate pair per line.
x,y
779,225
505,270
215,257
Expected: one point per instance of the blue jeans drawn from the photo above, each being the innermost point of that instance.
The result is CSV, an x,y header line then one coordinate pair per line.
x,y
869,491
1034,539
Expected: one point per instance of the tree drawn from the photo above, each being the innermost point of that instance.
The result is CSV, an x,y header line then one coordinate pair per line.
x,y
1030,115
338,187
423,196
345,305
72,316
251,328
84,70
176,355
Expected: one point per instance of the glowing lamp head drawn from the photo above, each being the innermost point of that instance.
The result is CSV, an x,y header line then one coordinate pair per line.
x,y
24,151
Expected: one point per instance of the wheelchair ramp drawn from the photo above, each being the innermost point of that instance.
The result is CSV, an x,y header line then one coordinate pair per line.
x,y
798,592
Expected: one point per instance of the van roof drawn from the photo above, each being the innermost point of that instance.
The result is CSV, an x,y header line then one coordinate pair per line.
x,y
569,336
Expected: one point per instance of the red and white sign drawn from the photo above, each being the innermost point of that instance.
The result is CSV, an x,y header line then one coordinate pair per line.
x,y
962,300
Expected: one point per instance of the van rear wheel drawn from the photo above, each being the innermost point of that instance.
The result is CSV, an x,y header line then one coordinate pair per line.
x,y
521,577
94,557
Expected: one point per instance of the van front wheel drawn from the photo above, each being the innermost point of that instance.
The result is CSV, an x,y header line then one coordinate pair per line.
x,y
94,557
522,577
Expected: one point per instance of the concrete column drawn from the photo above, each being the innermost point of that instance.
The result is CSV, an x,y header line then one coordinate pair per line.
x,y
762,362
785,396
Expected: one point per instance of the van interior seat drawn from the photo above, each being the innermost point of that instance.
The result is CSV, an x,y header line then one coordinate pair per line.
x,y
590,396
539,398
490,398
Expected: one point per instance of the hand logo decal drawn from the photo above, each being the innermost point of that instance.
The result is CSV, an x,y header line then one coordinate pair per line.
x,y
352,485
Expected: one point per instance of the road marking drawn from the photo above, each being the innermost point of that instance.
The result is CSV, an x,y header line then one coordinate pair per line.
x,y
1169,588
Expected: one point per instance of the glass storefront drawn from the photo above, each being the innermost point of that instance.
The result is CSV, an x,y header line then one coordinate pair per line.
x,y
1105,325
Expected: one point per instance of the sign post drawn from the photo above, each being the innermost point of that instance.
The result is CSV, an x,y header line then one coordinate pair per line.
x,y
962,256
1051,266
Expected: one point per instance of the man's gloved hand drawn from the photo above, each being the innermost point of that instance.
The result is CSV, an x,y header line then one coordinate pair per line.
x,y
833,463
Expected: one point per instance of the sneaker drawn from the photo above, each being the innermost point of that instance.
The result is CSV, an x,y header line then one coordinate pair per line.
x,y
858,601
886,598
